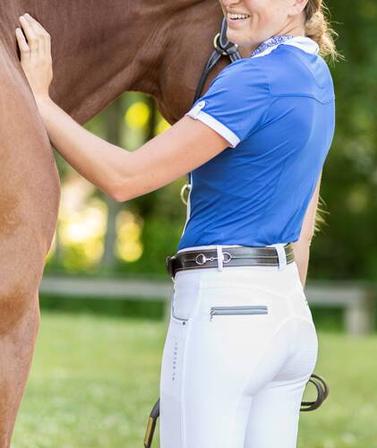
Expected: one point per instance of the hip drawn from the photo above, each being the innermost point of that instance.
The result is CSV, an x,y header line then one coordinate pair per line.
x,y
236,294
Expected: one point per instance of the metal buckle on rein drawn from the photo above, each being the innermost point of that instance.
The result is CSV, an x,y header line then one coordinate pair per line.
x,y
203,260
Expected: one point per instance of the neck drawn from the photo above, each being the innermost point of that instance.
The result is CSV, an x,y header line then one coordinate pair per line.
x,y
294,29
101,49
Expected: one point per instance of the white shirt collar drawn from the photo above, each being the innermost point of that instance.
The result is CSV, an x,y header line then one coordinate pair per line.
x,y
302,42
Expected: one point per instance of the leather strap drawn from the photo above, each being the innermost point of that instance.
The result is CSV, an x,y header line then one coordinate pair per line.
x,y
222,48
232,256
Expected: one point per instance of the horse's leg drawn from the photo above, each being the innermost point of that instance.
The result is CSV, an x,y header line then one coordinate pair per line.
x,y
29,197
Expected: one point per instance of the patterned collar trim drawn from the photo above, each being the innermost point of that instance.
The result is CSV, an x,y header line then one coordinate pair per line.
x,y
271,42
302,42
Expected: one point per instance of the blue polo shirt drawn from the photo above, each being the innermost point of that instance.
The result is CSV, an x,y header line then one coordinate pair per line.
x,y
277,112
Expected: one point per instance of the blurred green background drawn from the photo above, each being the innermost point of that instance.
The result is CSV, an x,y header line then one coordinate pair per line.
x,y
96,370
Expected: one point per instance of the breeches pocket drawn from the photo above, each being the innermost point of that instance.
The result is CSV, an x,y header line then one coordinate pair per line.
x,y
240,304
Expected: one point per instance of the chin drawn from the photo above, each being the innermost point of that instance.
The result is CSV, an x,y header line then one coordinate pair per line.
x,y
232,37
238,38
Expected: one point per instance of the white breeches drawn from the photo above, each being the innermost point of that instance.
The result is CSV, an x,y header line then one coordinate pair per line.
x,y
240,348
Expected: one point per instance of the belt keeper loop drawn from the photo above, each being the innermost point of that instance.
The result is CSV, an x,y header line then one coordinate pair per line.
x,y
220,258
282,256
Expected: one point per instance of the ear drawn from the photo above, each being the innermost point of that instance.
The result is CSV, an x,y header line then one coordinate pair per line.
x,y
297,6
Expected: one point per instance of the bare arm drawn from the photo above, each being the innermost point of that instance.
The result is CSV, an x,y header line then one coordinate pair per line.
x,y
302,246
124,175
121,174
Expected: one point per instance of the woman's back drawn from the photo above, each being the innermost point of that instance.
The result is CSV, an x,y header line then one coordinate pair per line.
x,y
277,109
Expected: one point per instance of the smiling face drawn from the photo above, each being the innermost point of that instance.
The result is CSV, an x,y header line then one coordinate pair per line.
x,y
250,22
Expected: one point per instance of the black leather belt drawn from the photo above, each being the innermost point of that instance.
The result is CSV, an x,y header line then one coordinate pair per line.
x,y
232,256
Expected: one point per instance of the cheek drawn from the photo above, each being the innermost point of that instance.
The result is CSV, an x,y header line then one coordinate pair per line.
x,y
255,6
266,11
260,10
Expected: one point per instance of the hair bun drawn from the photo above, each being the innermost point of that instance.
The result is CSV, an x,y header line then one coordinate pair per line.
x,y
318,28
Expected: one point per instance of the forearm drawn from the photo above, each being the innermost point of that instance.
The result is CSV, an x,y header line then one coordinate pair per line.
x,y
301,247
302,254
95,159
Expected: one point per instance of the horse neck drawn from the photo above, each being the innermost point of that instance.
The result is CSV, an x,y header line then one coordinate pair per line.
x,y
102,48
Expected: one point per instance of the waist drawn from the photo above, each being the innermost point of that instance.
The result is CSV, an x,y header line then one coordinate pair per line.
x,y
224,246
229,256
197,235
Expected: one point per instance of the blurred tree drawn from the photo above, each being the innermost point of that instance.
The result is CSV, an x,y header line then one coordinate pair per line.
x,y
346,247
162,213
113,118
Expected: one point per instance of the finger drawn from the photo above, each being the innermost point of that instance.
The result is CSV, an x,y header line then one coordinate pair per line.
x,y
36,25
32,38
23,45
48,46
41,32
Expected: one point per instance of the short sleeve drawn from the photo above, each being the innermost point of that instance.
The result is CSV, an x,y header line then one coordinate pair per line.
x,y
236,102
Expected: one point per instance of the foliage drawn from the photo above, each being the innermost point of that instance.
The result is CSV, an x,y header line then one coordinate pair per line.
x,y
346,247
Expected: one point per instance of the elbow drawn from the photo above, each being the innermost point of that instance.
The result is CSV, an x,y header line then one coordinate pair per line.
x,y
307,233
117,191
307,238
123,191
118,197
303,244
126,187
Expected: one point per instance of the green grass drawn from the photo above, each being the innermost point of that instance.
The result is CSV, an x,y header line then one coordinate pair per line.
x,y
95,378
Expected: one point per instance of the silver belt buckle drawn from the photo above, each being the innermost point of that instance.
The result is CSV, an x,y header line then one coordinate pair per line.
x,y
227,260
201,259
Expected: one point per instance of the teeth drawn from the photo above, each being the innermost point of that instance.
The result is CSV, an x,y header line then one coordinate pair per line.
x,y
238,16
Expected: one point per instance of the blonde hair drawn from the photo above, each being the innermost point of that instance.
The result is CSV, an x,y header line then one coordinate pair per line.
x,y
318,28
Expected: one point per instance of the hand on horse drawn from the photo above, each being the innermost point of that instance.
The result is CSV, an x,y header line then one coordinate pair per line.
x,y
36,57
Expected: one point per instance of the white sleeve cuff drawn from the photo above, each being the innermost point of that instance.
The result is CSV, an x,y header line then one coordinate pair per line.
x,y
214,124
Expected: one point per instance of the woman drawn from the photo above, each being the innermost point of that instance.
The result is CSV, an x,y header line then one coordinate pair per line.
x,y
241,343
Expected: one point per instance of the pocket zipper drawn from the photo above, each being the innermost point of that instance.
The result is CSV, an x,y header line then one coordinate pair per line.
x,y
238,310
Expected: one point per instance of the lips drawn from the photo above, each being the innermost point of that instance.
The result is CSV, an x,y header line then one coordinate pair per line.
x,y
238,16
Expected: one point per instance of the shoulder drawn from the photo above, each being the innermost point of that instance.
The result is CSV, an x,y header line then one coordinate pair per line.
x,y
292,71
286,71
237,101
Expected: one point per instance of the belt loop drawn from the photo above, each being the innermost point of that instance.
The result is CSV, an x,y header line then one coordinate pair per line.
x,y
220,258
282,256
